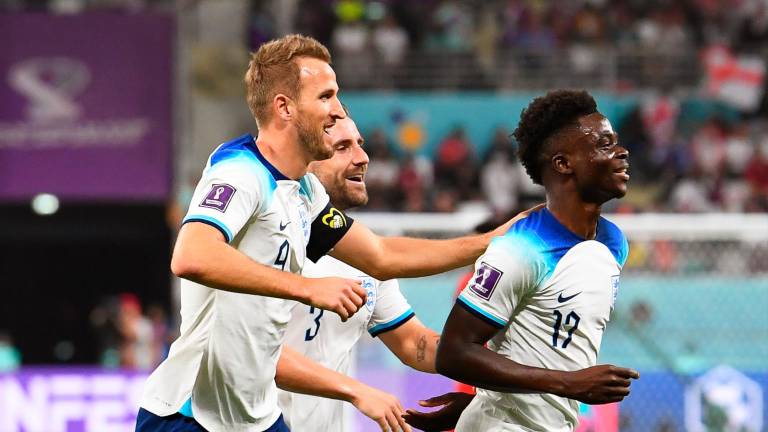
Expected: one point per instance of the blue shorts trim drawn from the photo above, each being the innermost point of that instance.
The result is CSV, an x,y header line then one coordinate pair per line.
x,y
278,426
149,422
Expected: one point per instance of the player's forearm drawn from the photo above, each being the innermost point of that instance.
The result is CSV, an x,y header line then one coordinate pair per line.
x,y
216,264
476,365
412,257
298,374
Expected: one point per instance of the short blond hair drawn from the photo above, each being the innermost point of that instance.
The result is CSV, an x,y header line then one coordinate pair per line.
x,y
273,70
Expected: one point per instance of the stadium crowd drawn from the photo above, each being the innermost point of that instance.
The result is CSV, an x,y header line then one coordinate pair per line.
x,y
719,163
715,165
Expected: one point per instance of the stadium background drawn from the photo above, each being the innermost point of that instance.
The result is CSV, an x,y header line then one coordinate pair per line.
x,y
108,109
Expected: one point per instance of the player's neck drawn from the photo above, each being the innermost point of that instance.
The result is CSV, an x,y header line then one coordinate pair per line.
x,y
282,150
578,216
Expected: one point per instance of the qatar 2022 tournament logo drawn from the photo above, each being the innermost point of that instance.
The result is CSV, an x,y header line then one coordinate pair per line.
x,y
724,400
50,86
61,107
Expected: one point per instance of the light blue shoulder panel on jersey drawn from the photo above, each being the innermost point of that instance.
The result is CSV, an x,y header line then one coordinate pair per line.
x,y
241,150
305,187
540,241
613,238
244,149
544,240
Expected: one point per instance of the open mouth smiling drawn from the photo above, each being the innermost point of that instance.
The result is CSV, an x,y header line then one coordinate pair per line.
x,y
622,172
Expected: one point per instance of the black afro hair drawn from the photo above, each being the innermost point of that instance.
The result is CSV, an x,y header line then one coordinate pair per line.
x,y
545,116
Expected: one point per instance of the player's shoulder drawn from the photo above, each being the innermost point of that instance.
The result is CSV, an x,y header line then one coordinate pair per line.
x,y
240,149
241,158
526,234
609,234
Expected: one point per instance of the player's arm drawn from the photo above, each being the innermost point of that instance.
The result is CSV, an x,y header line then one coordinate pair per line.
x,y
203,255
463,357
298,374
414,344
391,257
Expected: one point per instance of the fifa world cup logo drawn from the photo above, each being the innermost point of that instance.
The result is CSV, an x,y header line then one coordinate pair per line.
x,y
217,194
50,85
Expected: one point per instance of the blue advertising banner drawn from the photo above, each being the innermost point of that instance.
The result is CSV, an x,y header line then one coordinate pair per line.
x,y
70,399
85,106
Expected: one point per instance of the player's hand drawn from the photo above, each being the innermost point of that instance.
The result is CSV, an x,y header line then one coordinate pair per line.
x,y
445,418
342,296
502,229
381,407
600,384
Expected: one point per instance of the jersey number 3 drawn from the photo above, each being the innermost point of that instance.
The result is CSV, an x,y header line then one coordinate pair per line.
x,y
309,334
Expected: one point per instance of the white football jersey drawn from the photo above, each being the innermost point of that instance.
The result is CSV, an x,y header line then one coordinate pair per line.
x,y
324,338
221,369
551,294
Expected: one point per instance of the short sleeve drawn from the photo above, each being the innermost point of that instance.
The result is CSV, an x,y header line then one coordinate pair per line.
x,y
391,309
625,251
229,194
503,276
314,190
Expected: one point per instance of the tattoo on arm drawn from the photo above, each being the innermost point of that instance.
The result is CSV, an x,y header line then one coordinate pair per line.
x,y
421,348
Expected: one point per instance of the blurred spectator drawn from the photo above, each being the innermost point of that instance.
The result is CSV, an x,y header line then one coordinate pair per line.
x,y
391,44
589,26
498,175
752,34
455,165
708,147
444,201
413,185
10,357
486,37
451,27
382,176
128,338
161,335
535,34
103,320
692,194
137,335
756,175
391,41
351,40
499,183
663,30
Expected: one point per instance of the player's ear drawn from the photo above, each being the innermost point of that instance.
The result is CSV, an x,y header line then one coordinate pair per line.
x,y
283,105
561,164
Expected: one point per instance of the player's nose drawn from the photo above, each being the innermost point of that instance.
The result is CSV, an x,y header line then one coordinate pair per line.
x,y
337,110
621,152
360,156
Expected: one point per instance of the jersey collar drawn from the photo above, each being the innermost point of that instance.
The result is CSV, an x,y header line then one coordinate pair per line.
x,y
272,170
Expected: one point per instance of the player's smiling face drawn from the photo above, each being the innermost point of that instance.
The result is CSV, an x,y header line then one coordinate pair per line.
x,y
318,107
343,175
600,163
